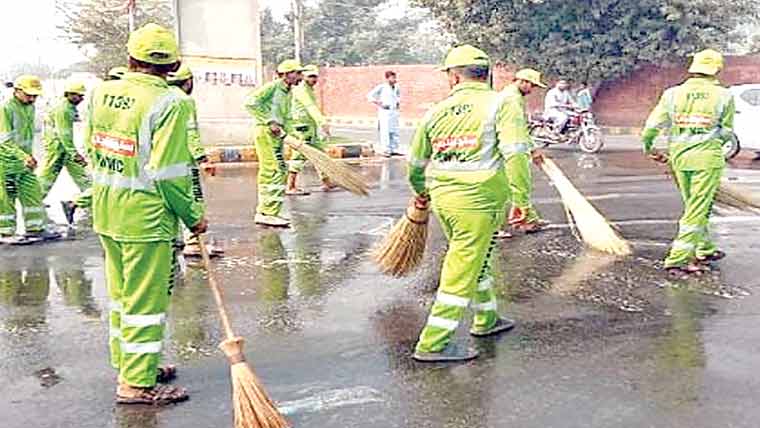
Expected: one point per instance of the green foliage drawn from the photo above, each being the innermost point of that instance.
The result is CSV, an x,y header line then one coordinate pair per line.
x,y
593,39
342,32
100,28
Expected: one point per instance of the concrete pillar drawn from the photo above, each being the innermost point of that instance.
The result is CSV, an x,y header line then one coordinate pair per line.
x,y
221,42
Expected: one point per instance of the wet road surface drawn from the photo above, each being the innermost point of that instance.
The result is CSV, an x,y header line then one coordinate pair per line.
x,y
601,342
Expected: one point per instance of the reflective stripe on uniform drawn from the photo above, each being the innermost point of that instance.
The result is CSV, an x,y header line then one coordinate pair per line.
x,y
114,306
5,136
274,187
686,228
689,138
485,284
169,172
142,320
419,163
488,306
35,222
141,348
442,323
120,181
517,148
684,246
452,300
7,217
34,210
114,333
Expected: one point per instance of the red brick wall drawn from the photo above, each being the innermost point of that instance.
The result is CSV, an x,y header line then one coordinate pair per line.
x,y
343,90
626,102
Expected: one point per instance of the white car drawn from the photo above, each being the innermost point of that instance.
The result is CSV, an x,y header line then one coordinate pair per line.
x,y
747,121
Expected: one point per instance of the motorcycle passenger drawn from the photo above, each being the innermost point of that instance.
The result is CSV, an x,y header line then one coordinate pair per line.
x,y
558,105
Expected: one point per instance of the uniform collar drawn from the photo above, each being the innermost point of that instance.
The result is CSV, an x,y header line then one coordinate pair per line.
x,y
146,79
470,86
707,80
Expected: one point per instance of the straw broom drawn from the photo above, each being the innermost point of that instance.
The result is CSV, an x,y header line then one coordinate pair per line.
x,y
252,406
338,172
401,251
592,226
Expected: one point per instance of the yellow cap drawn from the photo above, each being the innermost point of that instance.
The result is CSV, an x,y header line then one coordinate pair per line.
x,y
74,88
530,75
465,55
117,72
289,65
183,73
153,44
311,70
708,62
30,85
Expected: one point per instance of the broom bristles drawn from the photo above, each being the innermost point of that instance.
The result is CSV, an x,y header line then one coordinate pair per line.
x,y
253,407
251,404
402,250
736,197
339,173
594,229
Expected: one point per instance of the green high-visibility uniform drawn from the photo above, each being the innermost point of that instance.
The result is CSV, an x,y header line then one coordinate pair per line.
x,y
457,157
60,151
518,159
307,120
700,116
18,181
137,138
271,103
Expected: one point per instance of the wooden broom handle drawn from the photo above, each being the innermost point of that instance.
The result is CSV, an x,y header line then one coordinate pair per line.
x,y
218,293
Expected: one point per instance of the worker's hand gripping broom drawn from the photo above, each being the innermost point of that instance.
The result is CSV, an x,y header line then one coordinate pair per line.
x,y
592,226
338,172
252,406
401,251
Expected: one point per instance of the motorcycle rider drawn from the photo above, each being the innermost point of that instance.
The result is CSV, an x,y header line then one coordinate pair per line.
x,y
558,104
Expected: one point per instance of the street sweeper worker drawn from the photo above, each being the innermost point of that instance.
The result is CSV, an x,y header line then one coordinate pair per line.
x,y
308,121
699,114
457,162
270,107
17,164
142,190
182,83
522,214
60,151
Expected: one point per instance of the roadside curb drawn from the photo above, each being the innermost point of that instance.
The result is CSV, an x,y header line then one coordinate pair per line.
x,y
244,154
371,123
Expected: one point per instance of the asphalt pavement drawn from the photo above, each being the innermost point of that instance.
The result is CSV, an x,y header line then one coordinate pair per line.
x,y
600,341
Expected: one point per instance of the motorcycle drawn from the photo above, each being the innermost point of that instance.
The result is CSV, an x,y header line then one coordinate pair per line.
x,y
581,130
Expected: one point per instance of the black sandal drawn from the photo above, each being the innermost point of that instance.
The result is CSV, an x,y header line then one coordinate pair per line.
x,y
166,374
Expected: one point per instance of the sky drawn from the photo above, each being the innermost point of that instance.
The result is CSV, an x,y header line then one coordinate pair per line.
x,y
31,40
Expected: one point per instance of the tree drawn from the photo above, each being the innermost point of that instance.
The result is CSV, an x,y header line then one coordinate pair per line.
x,y
339,32
592,40
276,38
100,28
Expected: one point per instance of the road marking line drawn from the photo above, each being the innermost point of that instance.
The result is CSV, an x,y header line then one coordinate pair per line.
x,y
714,220
332,399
